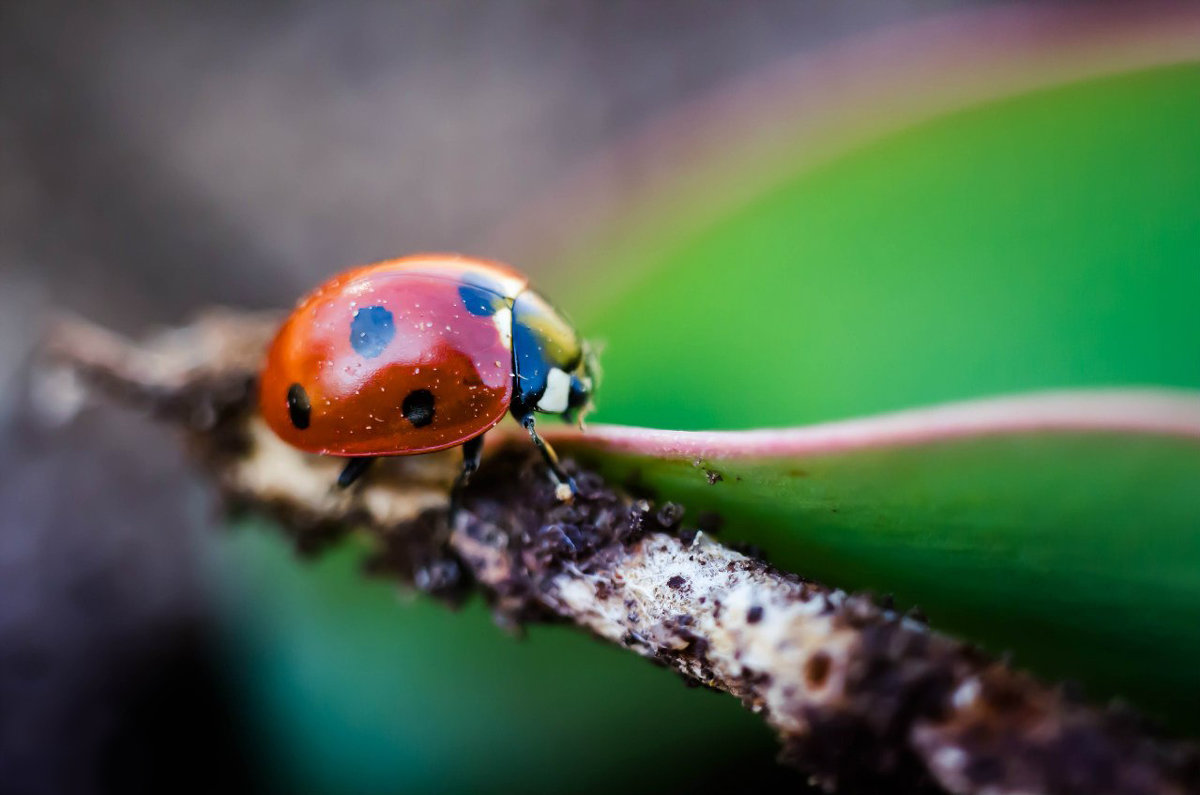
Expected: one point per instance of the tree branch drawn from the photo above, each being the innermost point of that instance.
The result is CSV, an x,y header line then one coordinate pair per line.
x,y
860,695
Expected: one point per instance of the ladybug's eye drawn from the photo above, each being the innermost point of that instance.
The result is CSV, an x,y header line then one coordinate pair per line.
x,y
299,408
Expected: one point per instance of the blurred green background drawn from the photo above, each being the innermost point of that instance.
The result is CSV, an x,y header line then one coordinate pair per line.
x,y
1024,212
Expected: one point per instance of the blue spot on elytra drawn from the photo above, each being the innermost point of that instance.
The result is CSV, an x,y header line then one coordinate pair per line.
x,y
479,302
371,331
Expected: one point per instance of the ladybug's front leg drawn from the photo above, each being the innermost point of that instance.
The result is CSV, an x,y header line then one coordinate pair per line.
x,y
565,488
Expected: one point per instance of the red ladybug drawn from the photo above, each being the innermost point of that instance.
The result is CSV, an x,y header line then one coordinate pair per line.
x,y
419,354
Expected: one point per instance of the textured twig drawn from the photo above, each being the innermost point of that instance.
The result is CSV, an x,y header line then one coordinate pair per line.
x,y
858,694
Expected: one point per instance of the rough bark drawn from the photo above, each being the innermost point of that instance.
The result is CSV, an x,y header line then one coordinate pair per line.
x,y
860,695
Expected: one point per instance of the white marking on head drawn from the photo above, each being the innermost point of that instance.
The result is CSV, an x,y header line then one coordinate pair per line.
x,y
502,318
558,392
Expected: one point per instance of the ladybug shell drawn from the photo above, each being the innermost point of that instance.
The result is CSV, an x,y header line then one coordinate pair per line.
x,y
396,358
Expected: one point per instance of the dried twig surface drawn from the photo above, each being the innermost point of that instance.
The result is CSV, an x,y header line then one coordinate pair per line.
x,y
860,695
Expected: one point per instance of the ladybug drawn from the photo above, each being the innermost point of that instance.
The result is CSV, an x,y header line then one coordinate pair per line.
x,y
419,354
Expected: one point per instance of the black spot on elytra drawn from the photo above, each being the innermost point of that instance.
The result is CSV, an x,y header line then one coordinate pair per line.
x,y
418,407
676,582
371,330
754,614
299,407
479,302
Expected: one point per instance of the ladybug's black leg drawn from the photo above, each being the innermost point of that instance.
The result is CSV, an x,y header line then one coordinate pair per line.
x,y
566,484
472,453
354,469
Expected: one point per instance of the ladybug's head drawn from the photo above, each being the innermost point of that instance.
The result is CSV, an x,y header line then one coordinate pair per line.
x,y
583,383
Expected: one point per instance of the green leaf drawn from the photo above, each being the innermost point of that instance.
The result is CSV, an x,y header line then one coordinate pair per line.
x,y
1045,241
1065,527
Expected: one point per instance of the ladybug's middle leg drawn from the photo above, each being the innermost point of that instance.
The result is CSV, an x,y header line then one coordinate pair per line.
x,y
355,468
472,454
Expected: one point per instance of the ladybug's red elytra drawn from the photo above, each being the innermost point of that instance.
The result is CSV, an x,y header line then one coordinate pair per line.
x,y
419,354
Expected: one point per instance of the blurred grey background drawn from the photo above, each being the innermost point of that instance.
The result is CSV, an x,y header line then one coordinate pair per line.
x,y
156,158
